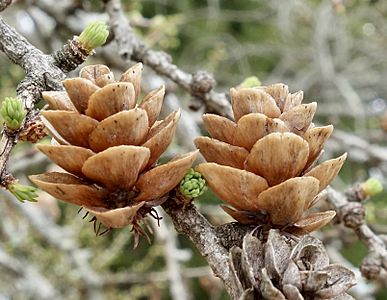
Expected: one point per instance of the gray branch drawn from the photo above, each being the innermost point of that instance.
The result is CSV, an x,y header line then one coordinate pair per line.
x,y
27,277
199,85
167,237
187,220
126,279
63,240
4,4
352,214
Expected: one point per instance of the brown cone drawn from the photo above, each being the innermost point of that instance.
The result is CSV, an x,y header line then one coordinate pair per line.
x,y
110,146
263,163
283,268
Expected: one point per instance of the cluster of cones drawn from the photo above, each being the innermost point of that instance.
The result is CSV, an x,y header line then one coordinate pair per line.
x,y
262,164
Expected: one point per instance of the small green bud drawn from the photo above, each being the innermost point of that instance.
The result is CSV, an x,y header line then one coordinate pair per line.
x,y
371,187
23,192
94,35
13,112
250,82
193,184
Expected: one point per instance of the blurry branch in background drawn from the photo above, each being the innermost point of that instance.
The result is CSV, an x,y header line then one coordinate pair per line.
x,y
27,277
166,236
199,85
4,4
350,142
351,213
126,279
187,129
65,240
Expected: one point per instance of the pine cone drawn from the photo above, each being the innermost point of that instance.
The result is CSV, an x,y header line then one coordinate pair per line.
x,y
109,145
262,164
282,268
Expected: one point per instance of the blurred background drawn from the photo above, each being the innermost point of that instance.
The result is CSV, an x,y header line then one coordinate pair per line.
x,y
333,50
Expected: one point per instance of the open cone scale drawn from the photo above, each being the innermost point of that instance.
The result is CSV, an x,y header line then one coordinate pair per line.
x,y
283,268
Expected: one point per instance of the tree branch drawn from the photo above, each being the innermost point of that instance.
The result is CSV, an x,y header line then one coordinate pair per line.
x,y
352,214
4,4
126,279
187,220
27,277
199,85
63,240
350,142
39,70
167,237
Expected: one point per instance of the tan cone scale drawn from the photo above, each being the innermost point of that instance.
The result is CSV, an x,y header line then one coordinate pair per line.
x,y
262,164
109,144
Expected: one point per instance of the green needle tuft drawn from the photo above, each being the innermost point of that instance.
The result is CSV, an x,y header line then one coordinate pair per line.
x,y
193,184
372,186
94,35
23,192
250,82
13,112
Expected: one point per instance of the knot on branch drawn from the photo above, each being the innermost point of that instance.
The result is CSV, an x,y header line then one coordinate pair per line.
x,y
156,59
70,56
4,4
202,82
371,266
352,214
232,234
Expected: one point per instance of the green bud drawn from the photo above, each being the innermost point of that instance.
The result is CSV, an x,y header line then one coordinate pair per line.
x,y
13,112
250,82
193,184
371,187
94,35
23,192
15,105
14,124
